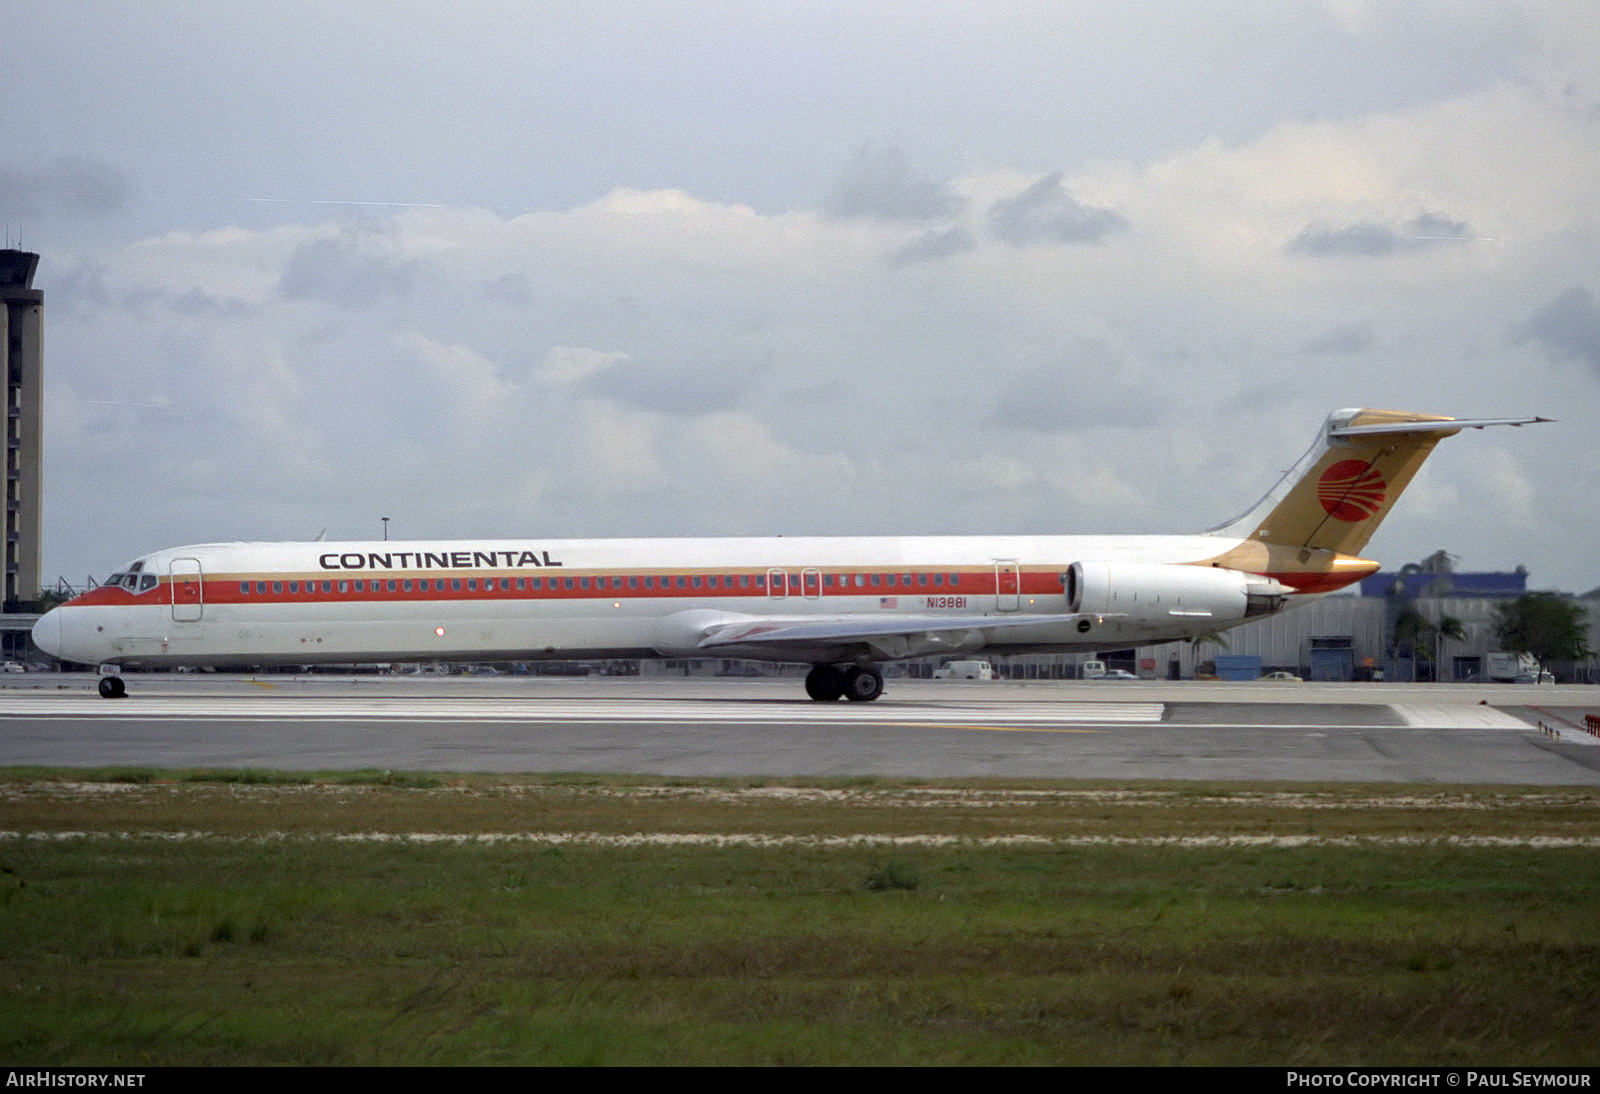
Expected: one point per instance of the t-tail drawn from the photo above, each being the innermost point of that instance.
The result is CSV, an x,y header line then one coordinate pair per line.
x,y
1309,531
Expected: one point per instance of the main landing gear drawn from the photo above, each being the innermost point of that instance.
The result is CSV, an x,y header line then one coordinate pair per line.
x,y
111,687
858,683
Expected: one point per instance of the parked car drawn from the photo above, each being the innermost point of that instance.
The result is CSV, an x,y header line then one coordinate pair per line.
x,y
1283,677
1114,674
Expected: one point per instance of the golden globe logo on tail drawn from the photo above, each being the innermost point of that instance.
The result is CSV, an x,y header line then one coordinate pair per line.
x,y
1351,490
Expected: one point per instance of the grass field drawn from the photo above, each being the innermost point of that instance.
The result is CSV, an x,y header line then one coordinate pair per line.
x,y
203,918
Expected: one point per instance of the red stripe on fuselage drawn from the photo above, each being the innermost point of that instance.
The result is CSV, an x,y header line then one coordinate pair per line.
x,y
225,589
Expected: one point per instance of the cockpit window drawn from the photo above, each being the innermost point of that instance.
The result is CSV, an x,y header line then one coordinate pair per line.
x,y
136,567
131,582
148,582
115,579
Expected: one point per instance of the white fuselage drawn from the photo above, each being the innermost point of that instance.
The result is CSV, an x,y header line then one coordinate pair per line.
x,y
304,603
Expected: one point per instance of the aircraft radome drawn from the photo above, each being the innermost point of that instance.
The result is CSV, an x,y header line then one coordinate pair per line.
x,y
841,604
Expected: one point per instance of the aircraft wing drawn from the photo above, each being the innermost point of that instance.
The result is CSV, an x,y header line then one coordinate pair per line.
x,y
889,636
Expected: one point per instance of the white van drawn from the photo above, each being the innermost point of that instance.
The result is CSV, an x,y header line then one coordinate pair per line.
x,y
965,670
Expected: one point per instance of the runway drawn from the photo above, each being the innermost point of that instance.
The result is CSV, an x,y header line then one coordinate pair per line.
x,y
703,727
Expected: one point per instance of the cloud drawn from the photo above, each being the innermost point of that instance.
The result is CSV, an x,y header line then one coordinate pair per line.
x,y
1089,388
700,387
879,183
68,187
1046,213
934,244
1568,326
515,289
619,447
1372,239
1342,341
564,365
354,267
676,365
471,381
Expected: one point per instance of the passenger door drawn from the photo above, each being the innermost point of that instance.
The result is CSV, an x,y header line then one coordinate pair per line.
x,y
1007,586
188,600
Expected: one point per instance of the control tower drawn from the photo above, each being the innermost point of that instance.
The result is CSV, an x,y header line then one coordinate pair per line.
x,y
22,361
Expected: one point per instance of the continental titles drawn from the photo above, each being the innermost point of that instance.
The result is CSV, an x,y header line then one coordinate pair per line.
x,y
434,560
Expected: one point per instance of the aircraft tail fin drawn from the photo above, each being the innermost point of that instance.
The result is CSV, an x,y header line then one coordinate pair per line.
x,y
1338,493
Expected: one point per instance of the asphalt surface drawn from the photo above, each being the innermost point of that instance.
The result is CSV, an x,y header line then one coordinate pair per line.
x,y
765,727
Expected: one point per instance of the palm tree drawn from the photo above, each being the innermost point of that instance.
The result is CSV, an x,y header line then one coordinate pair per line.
x,y
1411,628
1216,638
1448,627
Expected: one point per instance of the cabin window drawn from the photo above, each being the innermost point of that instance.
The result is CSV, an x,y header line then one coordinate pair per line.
x,y
522,584
761,581
244,587
261,587
361,586
633,582
472,584
680,581
536,583
406,585
567,582
922,579
294,586
390,584
344,587
695,581
955,579
877,579
938,579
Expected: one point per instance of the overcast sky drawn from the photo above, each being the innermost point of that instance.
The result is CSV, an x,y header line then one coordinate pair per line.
x,y
567,269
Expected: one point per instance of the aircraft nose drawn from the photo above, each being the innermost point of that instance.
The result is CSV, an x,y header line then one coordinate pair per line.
x,y
47,632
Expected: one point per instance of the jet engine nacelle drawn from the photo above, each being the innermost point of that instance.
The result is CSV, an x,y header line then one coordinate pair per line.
x,y
1155,592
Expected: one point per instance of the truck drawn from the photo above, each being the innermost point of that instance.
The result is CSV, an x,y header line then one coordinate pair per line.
x,y
1504,667
965,670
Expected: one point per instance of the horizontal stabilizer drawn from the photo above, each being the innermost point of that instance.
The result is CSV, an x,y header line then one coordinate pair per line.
x,y
1443,429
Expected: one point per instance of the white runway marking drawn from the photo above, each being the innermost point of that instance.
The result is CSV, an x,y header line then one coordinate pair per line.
x,y
1428,716
288,708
